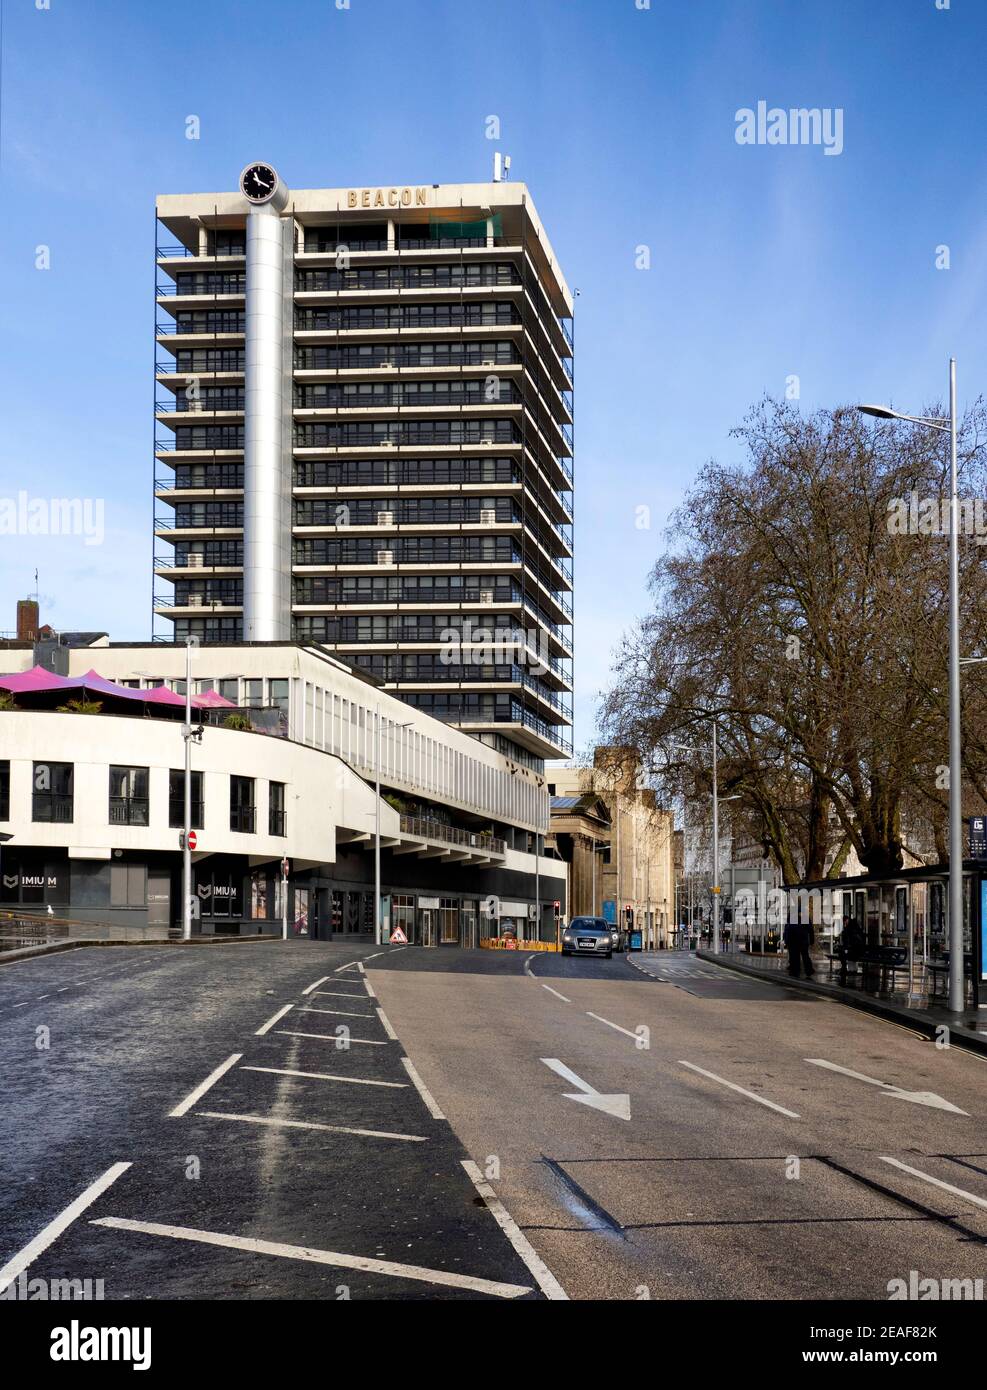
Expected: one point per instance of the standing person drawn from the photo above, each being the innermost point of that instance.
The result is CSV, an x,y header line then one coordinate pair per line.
x,y
799,936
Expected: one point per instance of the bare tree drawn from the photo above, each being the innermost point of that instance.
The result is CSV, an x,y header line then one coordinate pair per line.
x,y
802,604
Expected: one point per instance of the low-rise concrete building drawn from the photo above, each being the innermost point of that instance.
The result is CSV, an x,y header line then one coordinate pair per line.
x,y
94,802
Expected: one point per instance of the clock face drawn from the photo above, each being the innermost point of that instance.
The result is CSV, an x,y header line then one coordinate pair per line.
x,y
258,182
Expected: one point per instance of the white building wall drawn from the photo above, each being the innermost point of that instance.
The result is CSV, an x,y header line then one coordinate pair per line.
x,y
321,792
418,748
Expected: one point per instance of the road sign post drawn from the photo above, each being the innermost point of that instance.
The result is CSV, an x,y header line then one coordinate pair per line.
x,y
285,866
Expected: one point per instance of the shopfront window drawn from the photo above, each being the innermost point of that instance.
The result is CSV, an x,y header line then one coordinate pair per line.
x,y
259,896
220,894
403,914
449,921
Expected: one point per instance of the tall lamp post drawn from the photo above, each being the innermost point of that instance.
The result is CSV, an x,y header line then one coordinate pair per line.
x,y
188,735
378,923
684,747
957,991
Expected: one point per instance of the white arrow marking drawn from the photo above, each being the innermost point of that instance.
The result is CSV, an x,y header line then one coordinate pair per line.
x,y
895,1092
616,1105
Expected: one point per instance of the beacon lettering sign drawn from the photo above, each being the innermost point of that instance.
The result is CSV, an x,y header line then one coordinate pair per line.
x,y
387,198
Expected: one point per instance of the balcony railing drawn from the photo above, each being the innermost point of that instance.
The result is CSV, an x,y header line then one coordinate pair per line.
x,y
425,829
52,807
129,810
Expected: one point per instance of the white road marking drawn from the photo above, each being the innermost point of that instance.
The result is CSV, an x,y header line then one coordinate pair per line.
x,y
928,1098
186,1105
336,1013
359,966
369,988
315,984
63,989
386,1022
331,1037
556,993
19,1262
348,966
617,1104
326,1076
527,967
617,1026
734,1087
325,1257
936,1182
22,1006
265,1027
335,994
543,1276
422,1090
311,1124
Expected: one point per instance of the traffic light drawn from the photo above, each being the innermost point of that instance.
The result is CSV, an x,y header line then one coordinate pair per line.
x,y
628,916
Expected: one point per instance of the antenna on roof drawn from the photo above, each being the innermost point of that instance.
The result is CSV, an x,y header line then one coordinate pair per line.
x,y
502,166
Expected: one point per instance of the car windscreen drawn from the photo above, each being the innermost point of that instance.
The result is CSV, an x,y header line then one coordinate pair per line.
x,y
589,924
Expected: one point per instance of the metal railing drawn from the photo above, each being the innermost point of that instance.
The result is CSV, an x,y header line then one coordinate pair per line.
x,y
170,289
49,807
425,829
129,810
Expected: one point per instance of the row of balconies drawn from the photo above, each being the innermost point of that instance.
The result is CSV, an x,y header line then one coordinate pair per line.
x,y
376,256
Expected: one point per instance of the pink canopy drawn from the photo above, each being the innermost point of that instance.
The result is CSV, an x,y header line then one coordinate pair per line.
x,y
39,679
35,679
211,699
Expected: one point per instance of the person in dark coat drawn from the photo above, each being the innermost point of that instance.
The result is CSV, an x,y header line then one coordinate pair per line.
x,y
799,936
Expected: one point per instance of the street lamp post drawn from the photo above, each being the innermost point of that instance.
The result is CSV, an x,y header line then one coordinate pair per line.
x,y
187,813
716,853
378,924
957,990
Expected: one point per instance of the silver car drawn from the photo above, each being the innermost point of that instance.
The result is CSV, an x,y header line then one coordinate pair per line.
x,y
587,936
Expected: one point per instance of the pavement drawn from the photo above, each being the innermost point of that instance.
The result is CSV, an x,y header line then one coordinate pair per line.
x,y
921,1011
505,1126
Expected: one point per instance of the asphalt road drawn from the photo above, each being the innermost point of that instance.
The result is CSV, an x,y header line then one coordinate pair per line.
x,y
312,1166
791,1186
190,1123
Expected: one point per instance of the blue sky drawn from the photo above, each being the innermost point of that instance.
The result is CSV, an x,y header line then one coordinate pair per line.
x,y
765,261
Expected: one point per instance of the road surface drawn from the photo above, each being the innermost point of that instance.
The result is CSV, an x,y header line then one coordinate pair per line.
x,y
307,1120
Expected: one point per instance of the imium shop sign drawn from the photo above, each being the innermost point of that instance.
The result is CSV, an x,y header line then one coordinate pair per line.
x,y
30,885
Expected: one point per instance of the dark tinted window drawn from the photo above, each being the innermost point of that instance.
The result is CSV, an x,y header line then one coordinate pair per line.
x,y
593,924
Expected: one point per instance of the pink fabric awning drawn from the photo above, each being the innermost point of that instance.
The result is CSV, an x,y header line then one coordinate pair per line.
x,y
35,679
211,699
39,679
